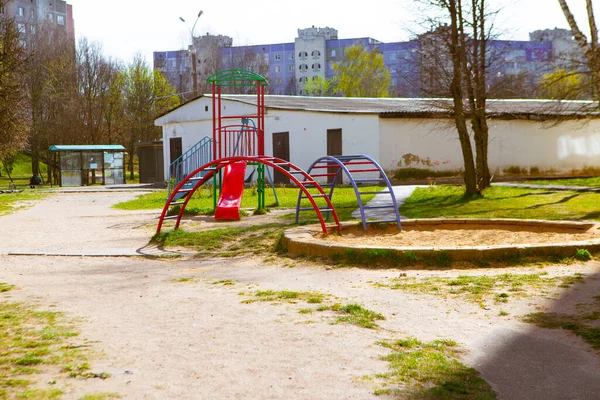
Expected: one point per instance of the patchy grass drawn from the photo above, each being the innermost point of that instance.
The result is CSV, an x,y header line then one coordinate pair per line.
x,y
9,202
577,324
387,257
285,296
429,371
590,182
184,280
5,287
501,202
36,344
481,288
101,396
354,314
225,242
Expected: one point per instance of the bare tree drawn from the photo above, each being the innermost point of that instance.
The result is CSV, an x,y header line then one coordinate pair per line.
x,y
457,65
49,49
14,118
590,48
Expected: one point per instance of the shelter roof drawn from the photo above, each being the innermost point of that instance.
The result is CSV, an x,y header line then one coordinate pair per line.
x,y
87,147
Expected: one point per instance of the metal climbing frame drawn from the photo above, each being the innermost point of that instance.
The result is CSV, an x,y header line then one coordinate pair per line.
x,y
231,140
183,192
351,166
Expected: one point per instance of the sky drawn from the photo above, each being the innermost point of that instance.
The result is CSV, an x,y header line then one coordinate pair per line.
x,y
127,27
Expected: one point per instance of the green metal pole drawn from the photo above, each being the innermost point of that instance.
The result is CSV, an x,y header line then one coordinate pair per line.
x,y
261,187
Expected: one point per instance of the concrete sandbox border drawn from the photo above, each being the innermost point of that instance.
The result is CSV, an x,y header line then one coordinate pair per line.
x,y
305,240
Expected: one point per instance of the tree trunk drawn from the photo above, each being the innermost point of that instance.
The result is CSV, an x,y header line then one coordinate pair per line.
x,y
130,150
456,51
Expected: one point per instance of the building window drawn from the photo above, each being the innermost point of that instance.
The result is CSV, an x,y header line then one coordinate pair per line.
x,y
303,55
60,19
277,56
21,27
332,52
291,56
32,29
302,92
393,56
316,67
1,9
303,67
21,12
277,69
302,79
290,68
50,17
316,54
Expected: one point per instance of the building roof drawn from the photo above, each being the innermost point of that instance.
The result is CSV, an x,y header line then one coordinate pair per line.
x,y
87,147
419,108
407,107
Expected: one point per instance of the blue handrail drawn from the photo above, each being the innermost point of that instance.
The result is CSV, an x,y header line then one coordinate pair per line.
x,y
197,155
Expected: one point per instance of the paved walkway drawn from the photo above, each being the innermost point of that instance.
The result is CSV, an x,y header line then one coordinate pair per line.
x,y
79,224
402,192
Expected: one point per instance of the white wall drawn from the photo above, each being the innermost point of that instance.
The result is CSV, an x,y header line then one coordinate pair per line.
x,y
419,143
308,134
433,144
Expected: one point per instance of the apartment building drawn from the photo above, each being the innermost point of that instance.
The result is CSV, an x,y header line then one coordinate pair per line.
x,y
314,52
31,13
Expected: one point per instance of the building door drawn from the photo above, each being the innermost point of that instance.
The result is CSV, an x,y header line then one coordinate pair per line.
x,y
334,148
176,150
281,149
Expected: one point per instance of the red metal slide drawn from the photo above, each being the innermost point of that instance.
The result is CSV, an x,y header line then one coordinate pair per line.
x,y
232,189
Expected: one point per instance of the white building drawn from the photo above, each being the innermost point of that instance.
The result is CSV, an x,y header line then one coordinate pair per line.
x,y
398,133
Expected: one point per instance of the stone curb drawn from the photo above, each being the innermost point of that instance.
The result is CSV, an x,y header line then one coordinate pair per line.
x,y
304,240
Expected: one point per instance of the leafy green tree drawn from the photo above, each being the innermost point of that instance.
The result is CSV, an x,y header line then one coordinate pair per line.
x,y
362,73
562,85
14,118
147,94
317,87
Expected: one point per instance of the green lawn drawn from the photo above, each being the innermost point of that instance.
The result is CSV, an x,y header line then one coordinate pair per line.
x,y
202,200
591,182
21,172
502,202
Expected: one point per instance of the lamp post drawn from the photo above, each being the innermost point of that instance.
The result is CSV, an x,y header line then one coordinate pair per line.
x,y
195,80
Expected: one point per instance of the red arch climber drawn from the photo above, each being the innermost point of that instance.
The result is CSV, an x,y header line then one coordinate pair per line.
x,y
181,194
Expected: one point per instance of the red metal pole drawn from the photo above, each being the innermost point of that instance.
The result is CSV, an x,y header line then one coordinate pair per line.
x,y
214,123
220,121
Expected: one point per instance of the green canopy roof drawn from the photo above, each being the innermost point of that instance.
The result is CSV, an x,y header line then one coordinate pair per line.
x,y
236,77
87,147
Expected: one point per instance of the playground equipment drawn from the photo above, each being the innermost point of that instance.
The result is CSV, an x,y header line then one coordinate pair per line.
x,y
234,147
352,166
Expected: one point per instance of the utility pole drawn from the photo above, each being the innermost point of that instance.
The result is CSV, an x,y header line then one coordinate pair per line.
x,y
194,62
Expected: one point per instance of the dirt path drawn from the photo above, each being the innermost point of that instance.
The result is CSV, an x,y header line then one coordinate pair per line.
x,y
163,338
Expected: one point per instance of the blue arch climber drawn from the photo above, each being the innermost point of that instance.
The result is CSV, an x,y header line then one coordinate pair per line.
x,y
354,167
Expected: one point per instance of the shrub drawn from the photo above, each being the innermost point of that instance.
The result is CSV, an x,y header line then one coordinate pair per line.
x,y
583,255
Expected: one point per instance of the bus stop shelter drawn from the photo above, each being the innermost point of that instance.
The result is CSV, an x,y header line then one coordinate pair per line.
x,y
82,165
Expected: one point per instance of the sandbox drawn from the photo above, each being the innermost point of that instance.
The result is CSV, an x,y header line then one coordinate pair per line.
x,y
457,239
